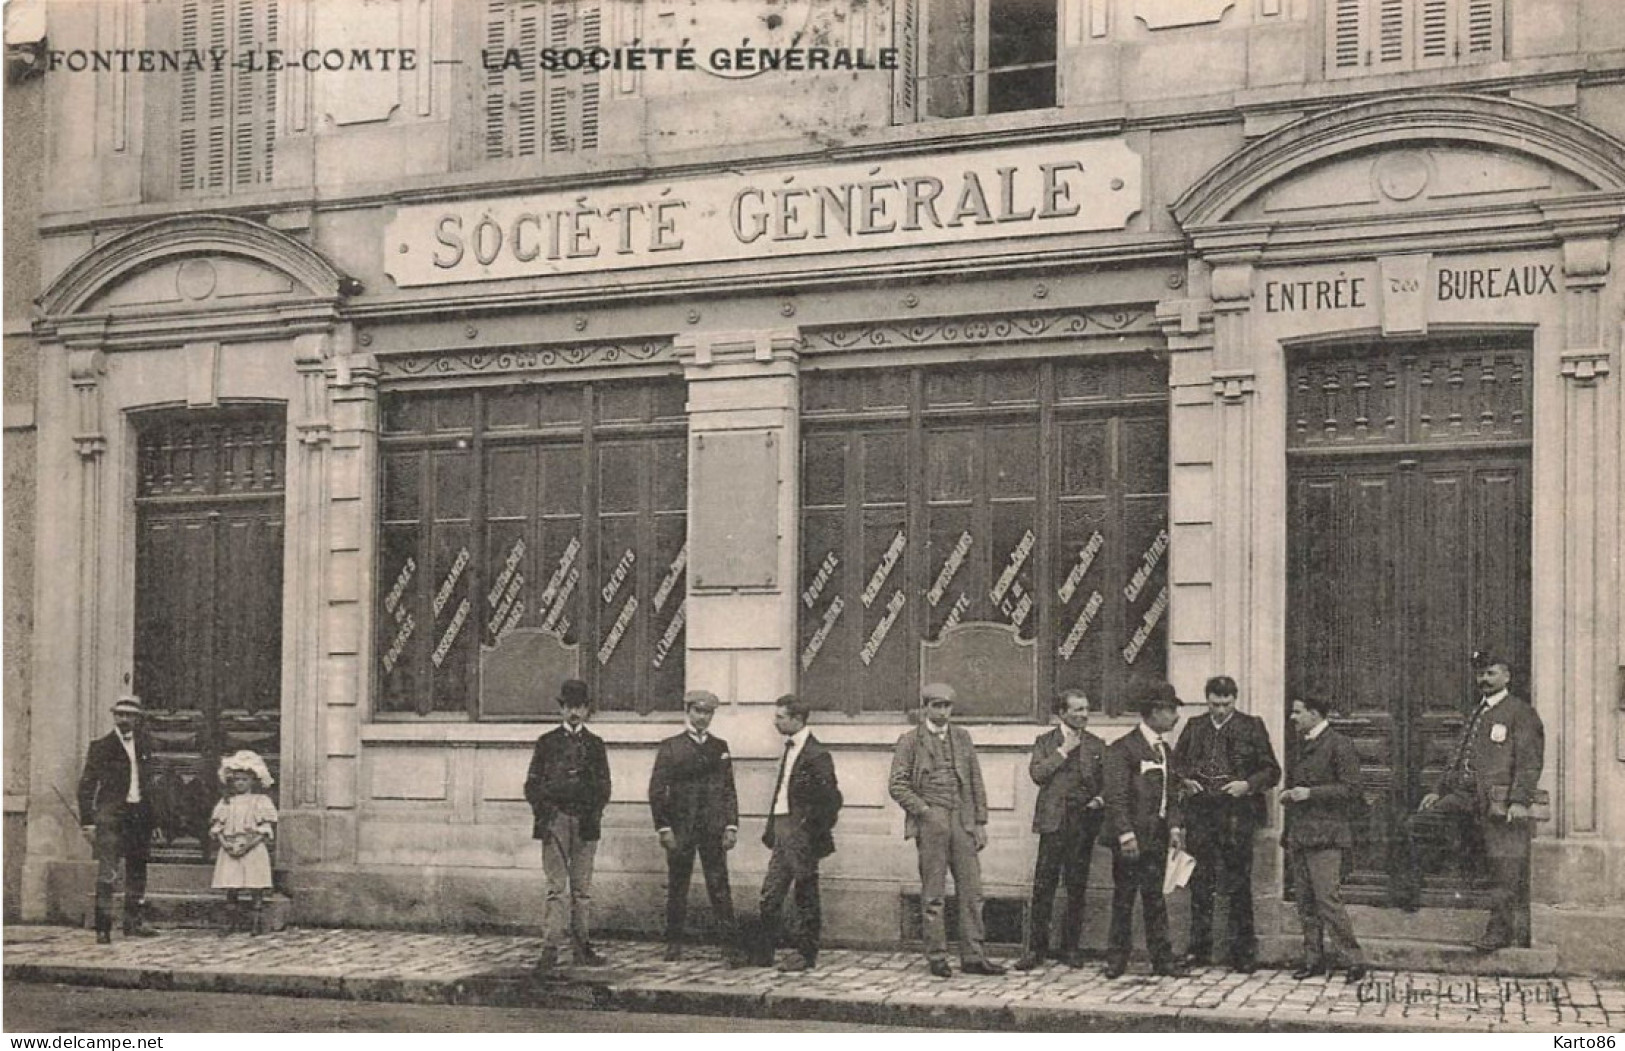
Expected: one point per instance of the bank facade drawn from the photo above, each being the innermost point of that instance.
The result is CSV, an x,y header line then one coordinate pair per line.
x,y
1273,338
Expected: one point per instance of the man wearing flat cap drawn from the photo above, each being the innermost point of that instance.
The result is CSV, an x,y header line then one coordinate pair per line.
x,y
116,814
567,788
1143,818
696,811
1492,781
936,779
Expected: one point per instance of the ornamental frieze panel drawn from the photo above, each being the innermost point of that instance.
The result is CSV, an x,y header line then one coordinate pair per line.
x,y
1000,329
485,363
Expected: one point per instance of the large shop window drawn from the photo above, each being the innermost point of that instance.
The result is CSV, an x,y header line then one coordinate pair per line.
x,y
534,112
1380,36
963,58
548,522
1008,521
226,130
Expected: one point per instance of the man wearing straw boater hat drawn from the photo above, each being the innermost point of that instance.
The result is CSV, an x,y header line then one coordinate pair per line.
x,y
116,815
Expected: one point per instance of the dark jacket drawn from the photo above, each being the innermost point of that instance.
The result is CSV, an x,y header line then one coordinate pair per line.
x,y
1133,794
691,790
911,766
1250,757
815,799
1066,783
1330,768
1511,764
569,773
106,779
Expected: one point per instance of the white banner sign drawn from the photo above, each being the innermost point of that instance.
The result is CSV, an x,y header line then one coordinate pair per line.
x,y
1050,189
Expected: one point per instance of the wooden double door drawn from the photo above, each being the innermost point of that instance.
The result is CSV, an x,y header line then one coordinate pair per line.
x,y
208,626
1408,549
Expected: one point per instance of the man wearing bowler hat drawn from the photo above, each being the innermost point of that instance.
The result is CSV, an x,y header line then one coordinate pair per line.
x,y
1492,781
1143,818
567,788
116,815
696,811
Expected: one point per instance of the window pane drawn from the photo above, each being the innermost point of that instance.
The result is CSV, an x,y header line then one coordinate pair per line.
x,y
885,463
1020,32
950,54
511,408
1021,89
823,470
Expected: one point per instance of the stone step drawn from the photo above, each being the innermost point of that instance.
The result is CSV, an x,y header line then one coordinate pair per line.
x,y
1446,926
1449,958
207,908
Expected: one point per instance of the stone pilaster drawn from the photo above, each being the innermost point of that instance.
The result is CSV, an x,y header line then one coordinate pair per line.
x,y
742,405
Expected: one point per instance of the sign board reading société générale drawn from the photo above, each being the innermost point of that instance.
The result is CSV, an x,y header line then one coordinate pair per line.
x,y
928,199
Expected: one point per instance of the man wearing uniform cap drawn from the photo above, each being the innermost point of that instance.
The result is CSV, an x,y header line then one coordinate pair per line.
x,y
567,788
117,816
937,780
1492,781
696,811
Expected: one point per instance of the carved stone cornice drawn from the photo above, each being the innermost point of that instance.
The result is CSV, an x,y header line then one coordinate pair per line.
x,y
1232,386
534,359
1003,328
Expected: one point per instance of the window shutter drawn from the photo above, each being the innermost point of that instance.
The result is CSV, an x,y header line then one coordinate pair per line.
x,y
905,106
1436,33
1345,44
227,120
1483,30
1391,48
530,112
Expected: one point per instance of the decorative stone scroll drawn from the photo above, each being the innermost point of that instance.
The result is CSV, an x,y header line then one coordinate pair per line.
x,y
416,366
1001,329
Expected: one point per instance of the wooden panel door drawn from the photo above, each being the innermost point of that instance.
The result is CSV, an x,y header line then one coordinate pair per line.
x,y
1400,566
208,632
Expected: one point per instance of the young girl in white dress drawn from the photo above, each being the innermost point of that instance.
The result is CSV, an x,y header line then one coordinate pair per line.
x,y
244,825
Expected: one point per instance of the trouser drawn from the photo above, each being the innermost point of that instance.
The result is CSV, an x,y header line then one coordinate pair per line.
x,y
946,846
1064,852
679,873
567,866
1328,937
1140,878
123,837
792,865
1220,838
1506,847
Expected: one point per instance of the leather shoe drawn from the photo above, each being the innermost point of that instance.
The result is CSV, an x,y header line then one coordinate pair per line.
x,y
1171,969
1115,969
104,937
796,964
1074,959
1244,966
983,967
672,954
1029,961
1199,959
1308,970
547,962
587,956
939,969
1355,974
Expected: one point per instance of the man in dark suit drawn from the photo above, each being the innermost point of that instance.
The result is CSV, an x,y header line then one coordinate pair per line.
x,y
1143,818
567,788
801,816
696,810
1323,784
1068,765
937,780
116,814
1492,781
1227,765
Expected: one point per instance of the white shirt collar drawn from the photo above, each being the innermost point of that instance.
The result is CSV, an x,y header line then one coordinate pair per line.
x,y
1318,729
1494,699
695,732
1219,724
932,728
1069,734
798,740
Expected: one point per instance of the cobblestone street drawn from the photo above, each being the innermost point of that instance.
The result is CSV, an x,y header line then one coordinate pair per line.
x,y
889,988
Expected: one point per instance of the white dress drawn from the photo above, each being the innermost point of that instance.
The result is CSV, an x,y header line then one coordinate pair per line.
x,y
239,816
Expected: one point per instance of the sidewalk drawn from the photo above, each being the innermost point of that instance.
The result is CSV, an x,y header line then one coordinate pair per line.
x,y
890,988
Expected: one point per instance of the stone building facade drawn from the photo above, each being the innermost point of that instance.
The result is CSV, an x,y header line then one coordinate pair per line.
x,y
1098,341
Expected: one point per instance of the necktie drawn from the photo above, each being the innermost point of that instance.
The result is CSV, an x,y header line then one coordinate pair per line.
x,y
778,785
1162,760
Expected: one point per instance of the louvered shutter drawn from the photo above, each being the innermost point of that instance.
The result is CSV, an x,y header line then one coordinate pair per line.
x,y
227,119
530,112
1379,36
1390,43
905,87
1482,30
1345,37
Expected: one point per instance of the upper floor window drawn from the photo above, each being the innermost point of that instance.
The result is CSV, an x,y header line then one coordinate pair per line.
x,y
965,58
1375,36
531,111
226,134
